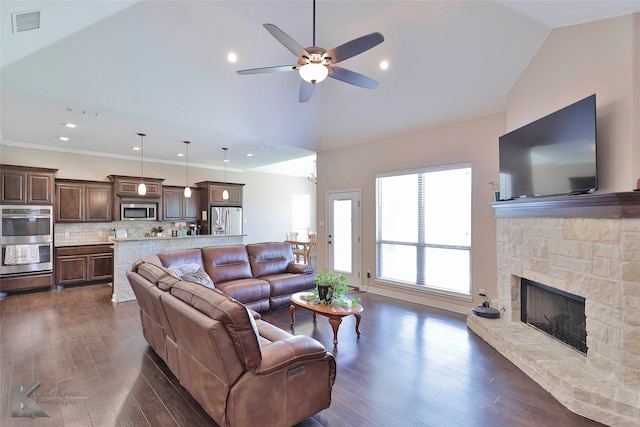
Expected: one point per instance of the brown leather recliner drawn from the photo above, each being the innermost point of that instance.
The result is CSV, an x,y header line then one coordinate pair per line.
x,y
241,369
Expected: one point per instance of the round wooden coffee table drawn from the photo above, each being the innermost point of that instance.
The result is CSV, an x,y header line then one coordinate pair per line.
x,y
335,314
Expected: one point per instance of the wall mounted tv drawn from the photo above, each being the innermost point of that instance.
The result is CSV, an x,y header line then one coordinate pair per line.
x,y
555,155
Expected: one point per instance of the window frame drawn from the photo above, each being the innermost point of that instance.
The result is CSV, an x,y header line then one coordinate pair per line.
x,y
420,245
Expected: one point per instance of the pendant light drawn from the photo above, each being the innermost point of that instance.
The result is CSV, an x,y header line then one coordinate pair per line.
x,y
225,192
187,189
142,189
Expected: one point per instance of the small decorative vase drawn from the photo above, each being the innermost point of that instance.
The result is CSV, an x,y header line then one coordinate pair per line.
x,y
324,293
496,195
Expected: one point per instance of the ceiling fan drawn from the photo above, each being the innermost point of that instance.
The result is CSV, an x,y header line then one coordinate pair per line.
x,y
315,63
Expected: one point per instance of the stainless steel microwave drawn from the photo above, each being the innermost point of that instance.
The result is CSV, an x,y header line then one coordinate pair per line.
x,y
139,211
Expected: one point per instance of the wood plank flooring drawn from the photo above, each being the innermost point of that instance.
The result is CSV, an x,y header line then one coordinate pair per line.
x,y
412,366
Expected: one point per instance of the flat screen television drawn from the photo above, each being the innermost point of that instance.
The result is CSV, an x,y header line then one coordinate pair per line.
x,y
555,155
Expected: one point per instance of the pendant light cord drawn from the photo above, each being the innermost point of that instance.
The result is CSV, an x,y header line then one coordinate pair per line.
x,y
187,142
142,135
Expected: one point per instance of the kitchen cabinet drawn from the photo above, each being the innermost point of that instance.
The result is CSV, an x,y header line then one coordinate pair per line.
x,y
213,191
176,207
211,195
30,282
77,265
125,190
22,185
235,194
127,186
83,201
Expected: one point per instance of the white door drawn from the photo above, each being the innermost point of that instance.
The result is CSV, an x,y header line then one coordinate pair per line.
x,y
343,234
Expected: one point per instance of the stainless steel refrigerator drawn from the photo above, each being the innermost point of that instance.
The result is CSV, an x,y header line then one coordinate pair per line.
x,y
225,220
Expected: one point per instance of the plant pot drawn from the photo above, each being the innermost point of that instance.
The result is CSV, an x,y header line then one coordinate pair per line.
x,y
324,293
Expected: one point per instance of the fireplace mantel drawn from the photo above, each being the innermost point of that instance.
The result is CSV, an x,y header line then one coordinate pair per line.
x,y
609,205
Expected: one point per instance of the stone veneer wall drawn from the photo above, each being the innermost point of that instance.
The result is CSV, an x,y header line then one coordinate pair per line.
x,y
599,259
128,251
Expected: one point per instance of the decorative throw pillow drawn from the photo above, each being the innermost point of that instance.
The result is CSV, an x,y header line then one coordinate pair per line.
x,y
179,270
200,277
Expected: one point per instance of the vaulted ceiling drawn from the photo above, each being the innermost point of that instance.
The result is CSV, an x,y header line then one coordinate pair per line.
x,y
117,68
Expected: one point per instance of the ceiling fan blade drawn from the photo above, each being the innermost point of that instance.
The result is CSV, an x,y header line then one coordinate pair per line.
x,y
293,46
354,47
352,77
263,70
306,90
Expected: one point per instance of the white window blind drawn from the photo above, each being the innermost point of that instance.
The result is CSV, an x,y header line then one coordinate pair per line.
x,y
423,228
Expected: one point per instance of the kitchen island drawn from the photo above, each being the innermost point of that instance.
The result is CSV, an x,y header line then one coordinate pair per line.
x,y
126,251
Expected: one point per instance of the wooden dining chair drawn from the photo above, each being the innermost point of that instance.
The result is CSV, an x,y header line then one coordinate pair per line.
x,y
311,249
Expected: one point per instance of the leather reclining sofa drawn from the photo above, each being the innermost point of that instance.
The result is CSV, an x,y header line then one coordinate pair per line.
x,y
242,370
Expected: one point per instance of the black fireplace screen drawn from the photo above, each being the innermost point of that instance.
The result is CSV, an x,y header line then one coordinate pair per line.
x,y
557,313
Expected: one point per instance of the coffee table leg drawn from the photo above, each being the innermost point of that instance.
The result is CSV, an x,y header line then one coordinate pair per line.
x,y
292,308
335,324
358,323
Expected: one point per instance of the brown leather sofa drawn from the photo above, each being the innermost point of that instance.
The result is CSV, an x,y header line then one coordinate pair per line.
x,y
241,369
262,276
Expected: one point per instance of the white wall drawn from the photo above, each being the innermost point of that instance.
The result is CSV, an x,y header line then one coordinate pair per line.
x,y
472,141
575,62
601,57
267,197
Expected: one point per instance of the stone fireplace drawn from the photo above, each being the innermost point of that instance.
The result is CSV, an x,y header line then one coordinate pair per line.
x,y
586,245
556,313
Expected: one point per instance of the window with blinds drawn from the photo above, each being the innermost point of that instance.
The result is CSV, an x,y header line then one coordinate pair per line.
x,y
423,228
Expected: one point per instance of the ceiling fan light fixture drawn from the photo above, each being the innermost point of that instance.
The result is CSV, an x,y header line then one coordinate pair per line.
x,y
314,73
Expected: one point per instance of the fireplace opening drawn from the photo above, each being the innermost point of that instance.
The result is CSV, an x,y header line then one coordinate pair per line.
x,y
557,313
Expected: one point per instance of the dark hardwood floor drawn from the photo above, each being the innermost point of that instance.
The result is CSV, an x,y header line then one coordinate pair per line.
x,y
412,366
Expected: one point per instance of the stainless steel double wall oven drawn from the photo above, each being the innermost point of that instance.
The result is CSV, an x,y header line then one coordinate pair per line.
x,y
26,239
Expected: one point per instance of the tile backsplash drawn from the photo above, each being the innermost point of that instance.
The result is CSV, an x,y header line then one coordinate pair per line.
x,y
90,233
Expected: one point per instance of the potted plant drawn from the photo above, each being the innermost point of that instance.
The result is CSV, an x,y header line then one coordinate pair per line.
x,y
332,290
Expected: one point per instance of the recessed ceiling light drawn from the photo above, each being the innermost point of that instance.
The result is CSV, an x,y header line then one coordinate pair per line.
x,y
70,125
179,154
135,148
384,65
63,138
232,57
249,154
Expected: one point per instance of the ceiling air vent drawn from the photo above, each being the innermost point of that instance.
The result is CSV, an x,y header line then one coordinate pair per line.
x,y
26,21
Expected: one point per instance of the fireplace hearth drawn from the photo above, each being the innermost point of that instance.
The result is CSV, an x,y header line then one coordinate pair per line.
x,y
554,312
586,245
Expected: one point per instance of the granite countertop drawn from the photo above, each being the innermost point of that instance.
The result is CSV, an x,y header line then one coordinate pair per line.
x,y
71,243
200,236
113,240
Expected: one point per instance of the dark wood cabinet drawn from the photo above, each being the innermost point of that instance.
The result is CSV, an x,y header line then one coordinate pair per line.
x,y
235,194
83,201
84,264
127,186
30,282
176,207
22,185
214,190
211,195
